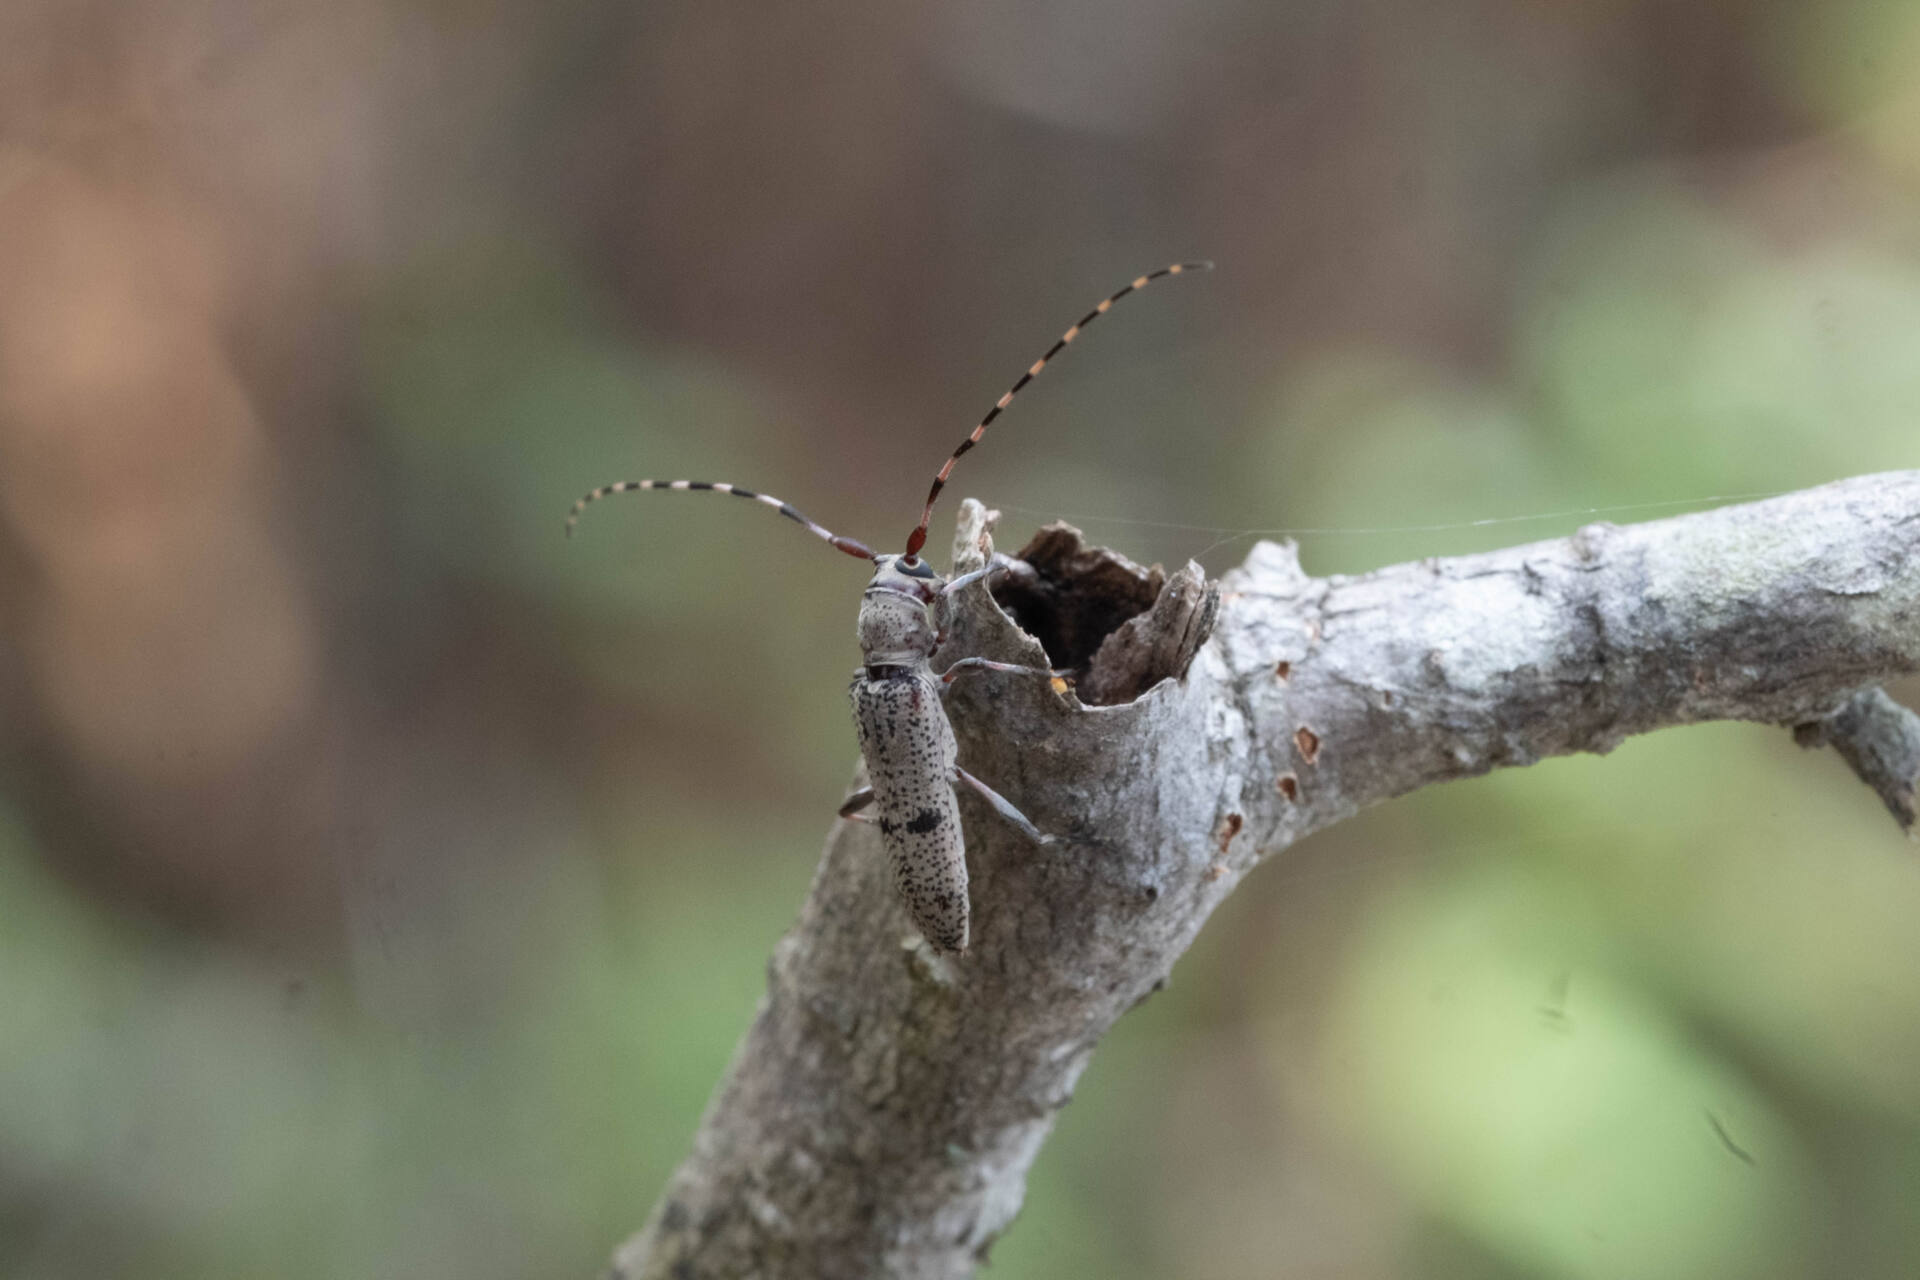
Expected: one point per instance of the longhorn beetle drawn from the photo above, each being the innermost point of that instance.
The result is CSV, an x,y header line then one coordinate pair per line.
x,y
912,760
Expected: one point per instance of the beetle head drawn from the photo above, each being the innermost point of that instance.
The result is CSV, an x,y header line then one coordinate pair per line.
x,y
896,621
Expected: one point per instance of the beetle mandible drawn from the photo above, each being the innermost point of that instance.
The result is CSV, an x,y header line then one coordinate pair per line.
x,y
912,760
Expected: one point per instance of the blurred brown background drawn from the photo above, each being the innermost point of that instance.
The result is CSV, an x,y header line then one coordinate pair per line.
x,y
384,881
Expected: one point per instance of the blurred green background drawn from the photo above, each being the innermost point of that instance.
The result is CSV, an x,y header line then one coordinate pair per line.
x,y
385,881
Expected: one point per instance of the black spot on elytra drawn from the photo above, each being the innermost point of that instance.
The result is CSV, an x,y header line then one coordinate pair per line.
x,y
924,821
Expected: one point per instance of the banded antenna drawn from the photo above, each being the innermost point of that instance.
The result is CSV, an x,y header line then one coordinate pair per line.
x,y
855,549
918,538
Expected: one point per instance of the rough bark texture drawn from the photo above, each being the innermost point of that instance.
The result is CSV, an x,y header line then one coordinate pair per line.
x,y
882,1112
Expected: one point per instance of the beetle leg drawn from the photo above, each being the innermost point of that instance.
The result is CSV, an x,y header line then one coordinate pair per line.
x,y
1003,807
855,803
955,671
997,564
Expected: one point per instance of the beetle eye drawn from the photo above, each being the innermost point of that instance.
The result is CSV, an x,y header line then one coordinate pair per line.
x,y
915,568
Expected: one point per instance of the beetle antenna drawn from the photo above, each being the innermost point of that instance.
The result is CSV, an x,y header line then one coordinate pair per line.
x,y
918,537
848,545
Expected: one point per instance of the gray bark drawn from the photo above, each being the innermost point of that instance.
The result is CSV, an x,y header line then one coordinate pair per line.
x,y
881,1114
